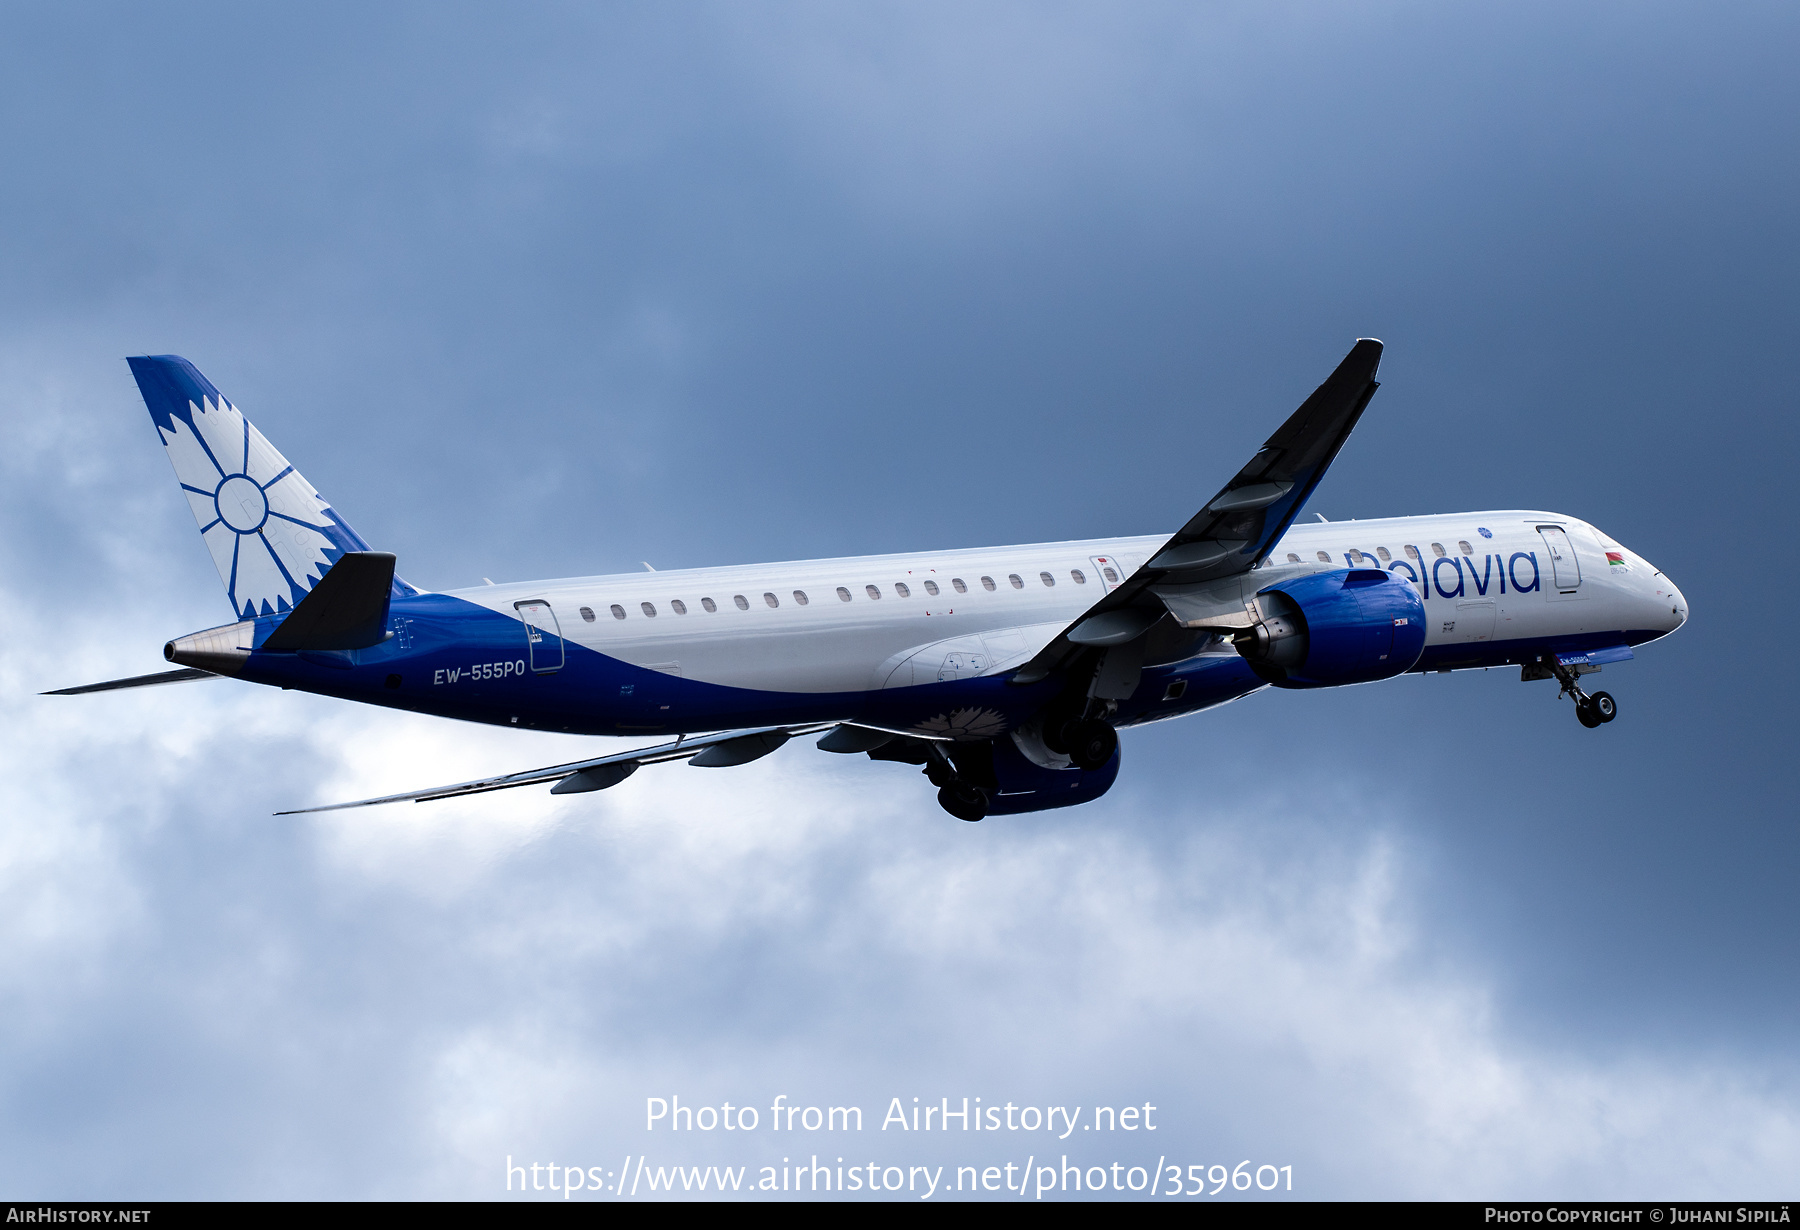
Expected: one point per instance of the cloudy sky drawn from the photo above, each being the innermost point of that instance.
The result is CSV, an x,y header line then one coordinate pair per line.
x,y
531,291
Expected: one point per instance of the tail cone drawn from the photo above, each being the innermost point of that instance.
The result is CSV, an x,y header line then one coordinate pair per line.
x,y
223,651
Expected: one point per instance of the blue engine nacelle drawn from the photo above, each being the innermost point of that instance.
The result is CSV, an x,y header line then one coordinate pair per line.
x,y
1024,786
1351,626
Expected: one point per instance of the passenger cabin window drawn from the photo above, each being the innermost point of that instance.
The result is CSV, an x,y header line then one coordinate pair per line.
x,y
956,583
771,600
1112,578
678,606
800,597
1324,557
743,603
708,605
1381,553
1076,576
1013,577
618,611
1356,557
987,583
900,588
1464,547
1412,553
872,591
648,609
1437,548
1292,558
1047,579
843,594
587,613
931,588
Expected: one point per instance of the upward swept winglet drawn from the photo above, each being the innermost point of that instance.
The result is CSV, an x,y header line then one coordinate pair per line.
x,y
1239,525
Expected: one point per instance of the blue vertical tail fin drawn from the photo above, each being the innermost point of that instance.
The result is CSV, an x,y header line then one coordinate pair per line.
x,y
271,534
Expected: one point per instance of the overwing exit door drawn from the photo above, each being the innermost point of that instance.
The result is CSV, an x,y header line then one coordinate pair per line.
x,y
543,636
1108,571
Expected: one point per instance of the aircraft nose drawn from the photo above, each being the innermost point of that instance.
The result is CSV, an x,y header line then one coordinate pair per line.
x,y
1668,606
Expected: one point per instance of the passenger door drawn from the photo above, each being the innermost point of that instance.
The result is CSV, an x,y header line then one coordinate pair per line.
x,y
1565,571
543,636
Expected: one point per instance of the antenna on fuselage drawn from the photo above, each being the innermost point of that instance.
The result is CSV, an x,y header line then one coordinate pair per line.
x,y
646,564
1321,516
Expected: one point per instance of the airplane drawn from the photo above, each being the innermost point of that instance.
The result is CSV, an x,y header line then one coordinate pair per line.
x,y
1004,673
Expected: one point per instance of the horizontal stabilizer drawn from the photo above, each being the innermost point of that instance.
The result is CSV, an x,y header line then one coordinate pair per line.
x,y
136,681
347,609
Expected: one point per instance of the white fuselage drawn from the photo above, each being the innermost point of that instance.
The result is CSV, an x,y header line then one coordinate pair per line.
x,y
788,627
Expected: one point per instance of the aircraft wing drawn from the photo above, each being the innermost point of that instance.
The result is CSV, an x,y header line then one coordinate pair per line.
x,y
1197,575
730,747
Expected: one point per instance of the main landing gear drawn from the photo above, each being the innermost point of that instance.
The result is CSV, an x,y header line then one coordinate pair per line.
x,y
1086,738
1591,710
956,794
963,801
1091,743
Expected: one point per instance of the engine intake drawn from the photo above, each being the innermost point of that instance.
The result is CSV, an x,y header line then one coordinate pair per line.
x,y
1350,626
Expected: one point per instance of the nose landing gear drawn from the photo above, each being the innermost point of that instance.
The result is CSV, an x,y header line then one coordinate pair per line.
x,y
1590,710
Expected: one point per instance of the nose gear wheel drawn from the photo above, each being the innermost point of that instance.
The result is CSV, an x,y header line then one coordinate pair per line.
x,y
1591,711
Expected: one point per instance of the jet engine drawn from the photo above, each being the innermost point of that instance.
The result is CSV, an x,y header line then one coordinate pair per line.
x,y
1352,626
